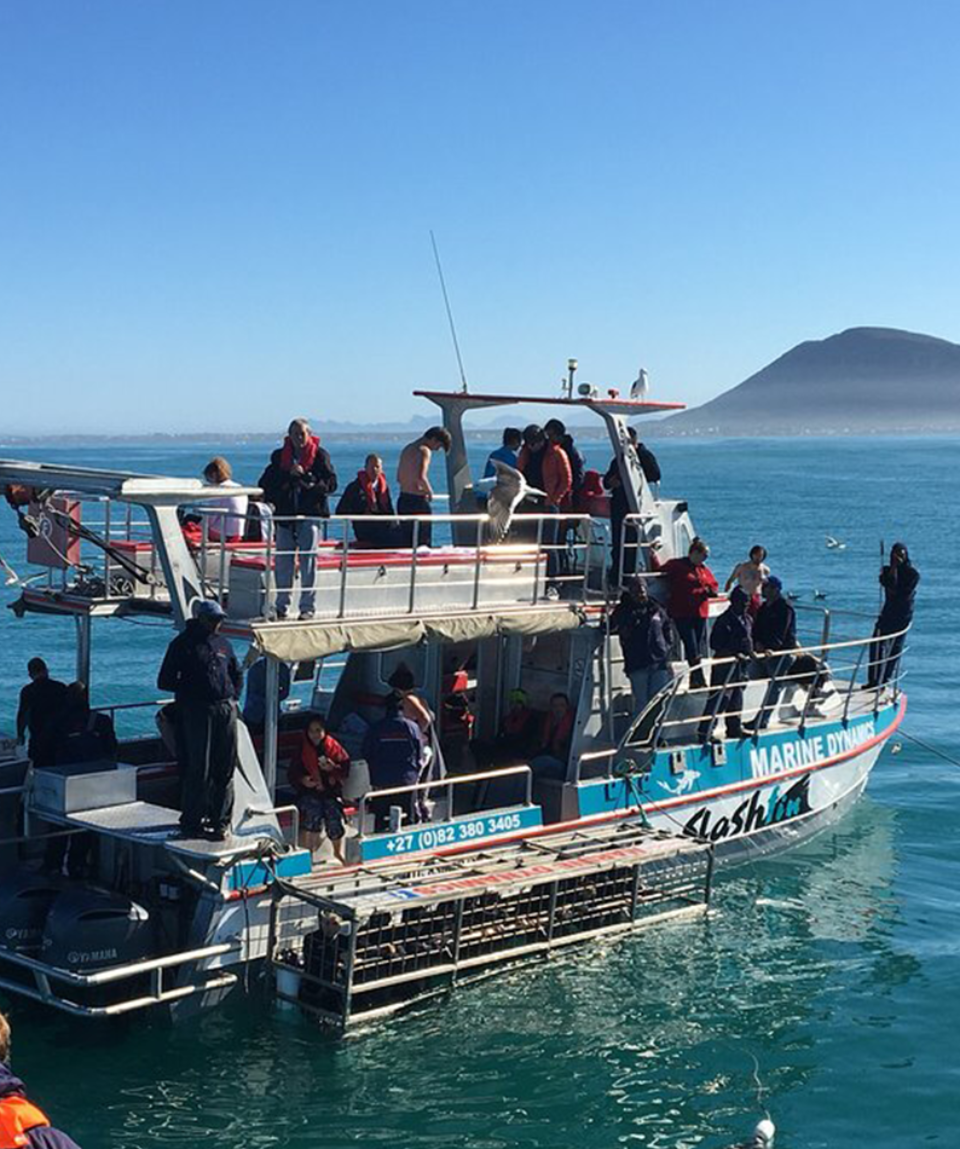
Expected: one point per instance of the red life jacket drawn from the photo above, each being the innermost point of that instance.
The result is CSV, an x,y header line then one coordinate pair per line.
x,y
307,455
17,1115
374,490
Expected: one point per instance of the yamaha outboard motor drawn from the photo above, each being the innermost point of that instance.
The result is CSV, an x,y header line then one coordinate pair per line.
x,y
88,929
25,901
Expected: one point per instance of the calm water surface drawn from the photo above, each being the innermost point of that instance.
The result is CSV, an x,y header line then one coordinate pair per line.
x,y
833,969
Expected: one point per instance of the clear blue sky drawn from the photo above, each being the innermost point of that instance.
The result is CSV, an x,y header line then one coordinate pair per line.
x,y
217,214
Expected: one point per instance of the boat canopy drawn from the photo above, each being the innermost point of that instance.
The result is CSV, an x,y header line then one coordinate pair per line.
x,y
304,641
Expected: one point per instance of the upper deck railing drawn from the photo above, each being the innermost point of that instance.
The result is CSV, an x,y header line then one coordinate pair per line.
x,y
100,552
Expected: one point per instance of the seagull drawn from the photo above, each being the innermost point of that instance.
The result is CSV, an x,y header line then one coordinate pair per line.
x,y
835,544
792,596
640,385
508,490
819,594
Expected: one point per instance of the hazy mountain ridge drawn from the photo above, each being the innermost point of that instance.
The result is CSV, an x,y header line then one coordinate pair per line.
x,y
863,380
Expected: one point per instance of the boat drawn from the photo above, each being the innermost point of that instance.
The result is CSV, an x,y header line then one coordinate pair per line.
x,y
506,863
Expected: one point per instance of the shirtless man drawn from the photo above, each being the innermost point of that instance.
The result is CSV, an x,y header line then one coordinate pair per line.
x,y
413,477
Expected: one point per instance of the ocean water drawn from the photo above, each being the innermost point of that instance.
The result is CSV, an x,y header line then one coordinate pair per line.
x,y
822,988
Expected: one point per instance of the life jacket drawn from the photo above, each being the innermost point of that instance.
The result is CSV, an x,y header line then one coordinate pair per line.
x,y
374,490
17,1115
308,453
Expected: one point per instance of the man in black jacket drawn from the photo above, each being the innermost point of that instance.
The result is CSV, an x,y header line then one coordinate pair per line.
x,y
41,703
731,638
202,671
296,483
899,581
646,635
774,631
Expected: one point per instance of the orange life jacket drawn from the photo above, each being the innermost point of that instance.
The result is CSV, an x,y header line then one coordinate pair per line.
x,y
17,1115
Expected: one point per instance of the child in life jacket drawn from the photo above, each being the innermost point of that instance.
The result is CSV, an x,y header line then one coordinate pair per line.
x,y
317,772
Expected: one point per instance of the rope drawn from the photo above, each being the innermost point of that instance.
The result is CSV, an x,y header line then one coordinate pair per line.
x,y
930,749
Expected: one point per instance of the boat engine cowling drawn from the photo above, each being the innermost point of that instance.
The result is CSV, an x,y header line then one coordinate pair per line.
x,y
89,929
25,901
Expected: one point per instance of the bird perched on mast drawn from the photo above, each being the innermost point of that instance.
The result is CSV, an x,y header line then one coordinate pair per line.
x,y
641,385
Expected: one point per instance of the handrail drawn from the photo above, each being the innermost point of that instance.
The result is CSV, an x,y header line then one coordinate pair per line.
x,y
119,972
448,783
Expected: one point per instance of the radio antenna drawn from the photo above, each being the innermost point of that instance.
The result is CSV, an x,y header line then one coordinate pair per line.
x,y
446,300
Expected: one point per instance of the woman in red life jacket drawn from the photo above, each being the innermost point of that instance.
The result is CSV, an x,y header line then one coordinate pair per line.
x,y
317,772
690,586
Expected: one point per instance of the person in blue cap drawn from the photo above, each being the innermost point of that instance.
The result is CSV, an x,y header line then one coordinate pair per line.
x,y
774,634
201,669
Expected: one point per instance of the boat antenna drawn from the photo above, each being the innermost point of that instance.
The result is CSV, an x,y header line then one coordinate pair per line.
x,y
446,300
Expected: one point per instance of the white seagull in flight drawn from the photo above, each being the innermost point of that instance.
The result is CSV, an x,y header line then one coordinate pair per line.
x,y
508,490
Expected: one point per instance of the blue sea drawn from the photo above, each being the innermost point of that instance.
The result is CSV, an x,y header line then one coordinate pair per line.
x,y
824,987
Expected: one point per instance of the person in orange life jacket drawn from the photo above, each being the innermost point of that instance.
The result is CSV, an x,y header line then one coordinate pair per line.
x,y
546,467
393,749
22,1124
731,638
690,586
41,703
555,738
317,771
369,494
204,675
557,433
296,483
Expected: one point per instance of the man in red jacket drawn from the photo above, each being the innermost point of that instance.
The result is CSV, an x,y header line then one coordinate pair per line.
x,y
690,586
545,466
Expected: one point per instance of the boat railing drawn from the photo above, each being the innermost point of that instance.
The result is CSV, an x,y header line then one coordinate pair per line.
x,y
146,981
690,707
446,785
537,563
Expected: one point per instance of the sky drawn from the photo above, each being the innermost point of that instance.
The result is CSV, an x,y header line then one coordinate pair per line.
x,y
217,215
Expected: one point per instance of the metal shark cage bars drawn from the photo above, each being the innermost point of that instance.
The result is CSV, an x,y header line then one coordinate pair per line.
x,y
375,941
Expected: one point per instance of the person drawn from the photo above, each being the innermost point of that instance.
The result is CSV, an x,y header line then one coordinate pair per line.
x,y
82,734
690,586
416,493
297,483
369,494
646,637
393,749
507,452
21,1122
516,739
317,771
412,706
556,735
620,507
231,525
899,580
749,576
774,633
201,670
557,433
41,702
546,467
255,700
731,638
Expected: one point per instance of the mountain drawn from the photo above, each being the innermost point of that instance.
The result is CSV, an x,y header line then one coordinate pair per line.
x,y
866,379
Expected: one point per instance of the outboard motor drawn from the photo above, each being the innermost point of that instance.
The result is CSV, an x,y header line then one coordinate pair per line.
x,y
88,929
25,901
